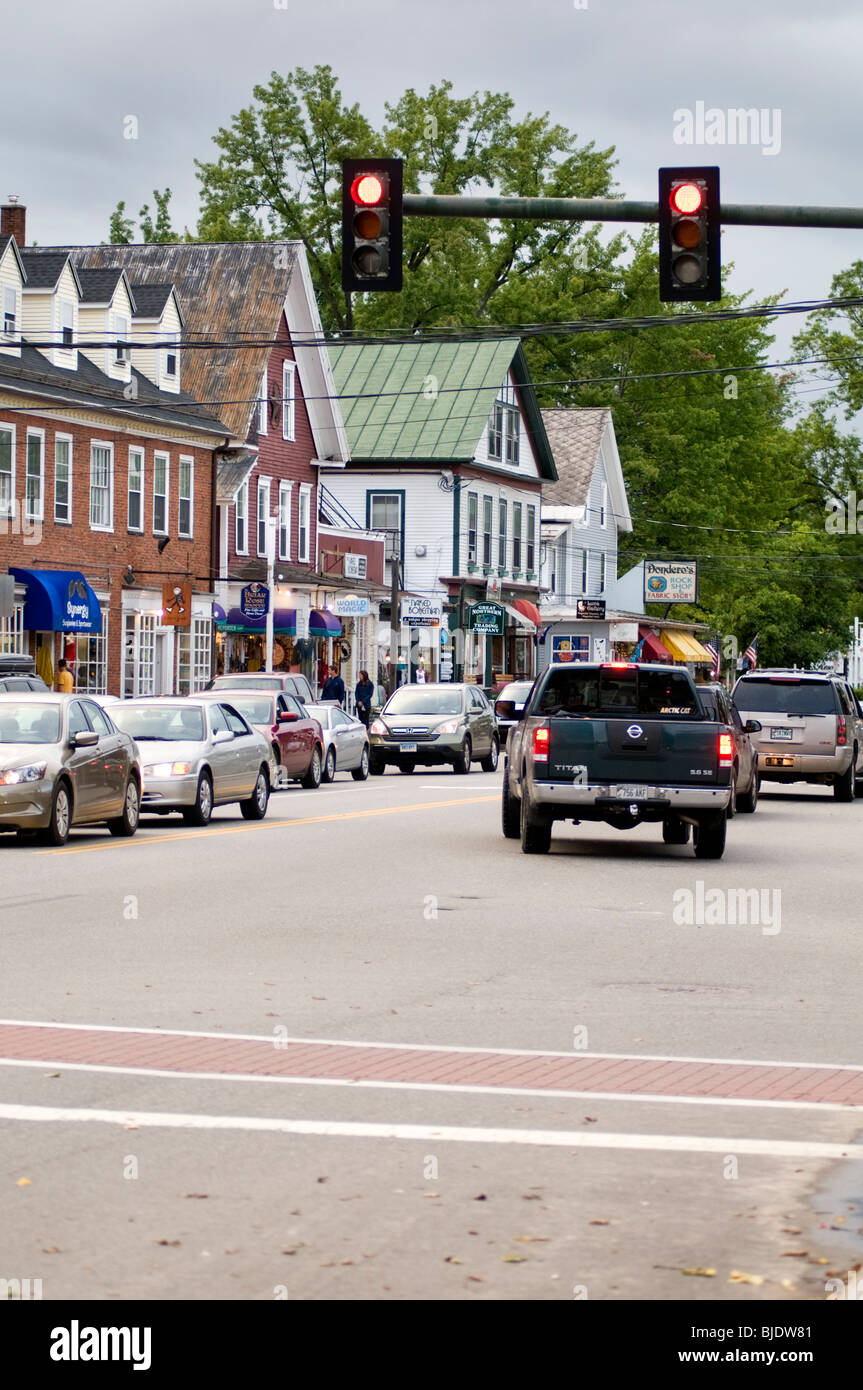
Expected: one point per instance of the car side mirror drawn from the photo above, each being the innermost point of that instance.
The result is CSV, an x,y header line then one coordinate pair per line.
x,y
85,739
752,726
222,736
287,716
505,709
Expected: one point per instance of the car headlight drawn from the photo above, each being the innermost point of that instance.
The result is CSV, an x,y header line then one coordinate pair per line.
x,y
378,727
168,770
450,727
13,775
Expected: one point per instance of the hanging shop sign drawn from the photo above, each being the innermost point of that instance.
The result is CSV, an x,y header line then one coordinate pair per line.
x,y
255,601
670,581
421,612
487,618
176,605
351,606
590,608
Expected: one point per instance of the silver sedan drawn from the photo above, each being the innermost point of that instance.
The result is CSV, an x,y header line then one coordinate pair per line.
x,y
346,741
196,755
63,763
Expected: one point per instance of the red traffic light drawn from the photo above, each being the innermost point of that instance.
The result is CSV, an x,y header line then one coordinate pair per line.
x,y
687,198
367,189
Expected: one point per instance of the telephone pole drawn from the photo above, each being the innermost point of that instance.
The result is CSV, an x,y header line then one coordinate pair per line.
x,y
395,619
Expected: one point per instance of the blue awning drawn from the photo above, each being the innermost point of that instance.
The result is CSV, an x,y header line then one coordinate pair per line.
x,y
58,601
324,624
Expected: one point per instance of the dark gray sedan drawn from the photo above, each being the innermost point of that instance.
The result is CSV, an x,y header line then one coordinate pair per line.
x,y
63,763
428,724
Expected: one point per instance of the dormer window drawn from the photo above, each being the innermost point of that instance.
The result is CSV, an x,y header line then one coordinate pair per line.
x,y
67,324
121,349
503,428
10,307
171,362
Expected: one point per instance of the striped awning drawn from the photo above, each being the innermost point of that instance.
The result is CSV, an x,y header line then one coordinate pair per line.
x,y
685,647
653,650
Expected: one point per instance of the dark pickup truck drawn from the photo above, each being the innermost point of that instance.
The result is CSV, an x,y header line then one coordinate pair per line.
x,y
620,743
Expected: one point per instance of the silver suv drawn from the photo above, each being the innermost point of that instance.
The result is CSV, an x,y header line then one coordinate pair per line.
x,y
812,728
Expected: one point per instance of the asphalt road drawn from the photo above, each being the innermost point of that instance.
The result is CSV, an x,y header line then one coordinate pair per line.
x,y
394,912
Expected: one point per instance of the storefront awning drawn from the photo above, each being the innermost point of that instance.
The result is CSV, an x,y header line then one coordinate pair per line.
x,y
284,622
528,610
652,649
58,601
324,624
685,647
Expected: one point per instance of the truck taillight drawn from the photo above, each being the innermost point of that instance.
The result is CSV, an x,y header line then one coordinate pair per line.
x,y
540,745
726,750
841,730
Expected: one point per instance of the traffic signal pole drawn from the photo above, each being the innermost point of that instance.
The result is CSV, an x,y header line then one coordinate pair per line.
x,y
622,210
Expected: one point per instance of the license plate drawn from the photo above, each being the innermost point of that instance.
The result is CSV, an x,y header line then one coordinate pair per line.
x,y
631,793
407,748
786,734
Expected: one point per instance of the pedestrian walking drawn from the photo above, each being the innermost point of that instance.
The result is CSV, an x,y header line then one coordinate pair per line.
x,y
334,686
363,696
65,683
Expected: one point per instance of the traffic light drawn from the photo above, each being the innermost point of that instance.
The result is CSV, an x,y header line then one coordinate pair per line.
x,y
689,222
372,224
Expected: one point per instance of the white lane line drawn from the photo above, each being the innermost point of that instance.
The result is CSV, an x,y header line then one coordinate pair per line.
x,y
438,1087
551,1138
424,1047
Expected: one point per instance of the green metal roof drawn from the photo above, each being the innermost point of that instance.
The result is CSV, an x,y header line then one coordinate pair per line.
x,y
406,402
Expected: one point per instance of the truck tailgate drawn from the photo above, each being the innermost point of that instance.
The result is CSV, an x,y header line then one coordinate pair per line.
x,y
631,750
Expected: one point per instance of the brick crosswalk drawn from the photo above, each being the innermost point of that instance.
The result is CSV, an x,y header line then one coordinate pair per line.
x,y
206,1054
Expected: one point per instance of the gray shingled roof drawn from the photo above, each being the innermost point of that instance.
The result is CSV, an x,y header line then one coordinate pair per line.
x,y
98,286
151,299
575,436
43,268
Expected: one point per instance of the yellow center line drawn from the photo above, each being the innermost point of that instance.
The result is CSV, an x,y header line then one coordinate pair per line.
x,y
214,828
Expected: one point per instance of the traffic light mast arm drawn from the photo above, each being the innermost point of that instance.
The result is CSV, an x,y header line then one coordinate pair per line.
x,y
622,210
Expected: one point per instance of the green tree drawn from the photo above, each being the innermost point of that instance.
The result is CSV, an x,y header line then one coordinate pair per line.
x,y
837,335
121,228
158,227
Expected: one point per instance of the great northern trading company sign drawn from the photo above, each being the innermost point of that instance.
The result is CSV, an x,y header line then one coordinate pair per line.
x,y
488,618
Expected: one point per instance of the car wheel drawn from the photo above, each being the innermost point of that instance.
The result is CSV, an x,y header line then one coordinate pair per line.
x,y
535,833
843,784
360,773
329,770
710,838
200,813
60,823
127,824
255,808
747,801
407,766
462,762
675,831
510,811
489,764
377,766
312,779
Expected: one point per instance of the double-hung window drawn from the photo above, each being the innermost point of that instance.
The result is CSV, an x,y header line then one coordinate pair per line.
x,y
263,513
531,540
304,525
288,401
67,324
10,310
263,405
585,571
516,536
172,360
63,478
7,471
241,535
160,494
34,491
185,519
101,487
121,345
486,530
501,533
471,527
512,425
496,431
285,491
136,490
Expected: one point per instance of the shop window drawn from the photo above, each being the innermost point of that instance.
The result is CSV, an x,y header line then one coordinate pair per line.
x,y
194,655
91,660
139,654
12,630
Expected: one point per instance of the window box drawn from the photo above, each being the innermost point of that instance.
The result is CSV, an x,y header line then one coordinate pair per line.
x,y
472,569
502,571
488,569
530,575
516,574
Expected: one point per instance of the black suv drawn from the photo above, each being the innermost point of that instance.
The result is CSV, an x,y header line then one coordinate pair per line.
x,y
18,673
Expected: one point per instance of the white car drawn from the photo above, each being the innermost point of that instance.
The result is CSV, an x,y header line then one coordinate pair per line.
x,y
346,741
197,754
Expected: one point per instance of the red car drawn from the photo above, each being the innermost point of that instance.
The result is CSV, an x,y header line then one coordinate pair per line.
x,y
296,739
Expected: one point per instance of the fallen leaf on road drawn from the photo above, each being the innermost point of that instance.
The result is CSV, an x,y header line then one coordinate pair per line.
x,y
791,1230
738,1277
230,1250
23,1182
322,1179
452,1260
51,1250
476,1278
481,1198
513,1259
788,1285
822,1261
166,1242
321,998
201,1196
530,1197
51,1073
345,1262
599,1221
589,1120
704,1273
527,1239
796,1254
431,1194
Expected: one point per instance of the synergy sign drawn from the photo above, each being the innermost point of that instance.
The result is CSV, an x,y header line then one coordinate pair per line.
x,y
670,581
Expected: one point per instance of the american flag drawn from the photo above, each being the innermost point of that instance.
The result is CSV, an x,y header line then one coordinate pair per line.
x,y
714,646
751,653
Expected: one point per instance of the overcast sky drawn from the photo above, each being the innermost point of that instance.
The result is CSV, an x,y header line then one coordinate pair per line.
x,y
614,71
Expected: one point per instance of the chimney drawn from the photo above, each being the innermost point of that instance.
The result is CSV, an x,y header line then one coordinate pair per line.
x,y
13,219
